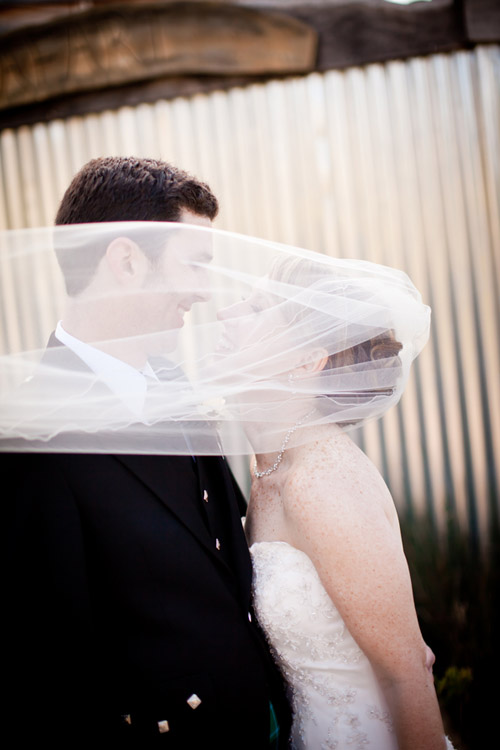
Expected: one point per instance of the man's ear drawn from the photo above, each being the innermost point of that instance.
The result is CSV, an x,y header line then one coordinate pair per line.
x,y
126,261
314,361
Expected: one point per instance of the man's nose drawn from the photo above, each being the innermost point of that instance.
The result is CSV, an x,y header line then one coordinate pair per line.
x,y
202,294
203,289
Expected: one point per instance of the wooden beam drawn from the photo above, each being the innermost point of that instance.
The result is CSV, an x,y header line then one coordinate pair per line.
x,y
359,33
56,60
129,95
106,48
482,20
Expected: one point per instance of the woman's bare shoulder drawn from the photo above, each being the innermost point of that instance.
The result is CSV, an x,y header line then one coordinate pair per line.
x,y
337,462
335,476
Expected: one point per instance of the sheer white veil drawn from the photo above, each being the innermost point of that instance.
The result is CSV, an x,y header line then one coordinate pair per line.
x,y
177,339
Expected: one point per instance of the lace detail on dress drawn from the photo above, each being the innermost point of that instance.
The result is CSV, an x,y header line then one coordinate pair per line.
x,y
282,594
336,699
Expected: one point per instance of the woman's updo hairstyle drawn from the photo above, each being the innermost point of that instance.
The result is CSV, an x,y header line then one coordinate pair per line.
x,y
381,346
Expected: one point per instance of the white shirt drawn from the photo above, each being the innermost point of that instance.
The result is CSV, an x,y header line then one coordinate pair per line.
x,y
125,381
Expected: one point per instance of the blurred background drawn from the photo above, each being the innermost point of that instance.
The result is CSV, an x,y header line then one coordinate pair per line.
x,y
363,129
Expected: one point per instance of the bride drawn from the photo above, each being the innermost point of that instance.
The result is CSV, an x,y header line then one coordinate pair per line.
x,y
332,588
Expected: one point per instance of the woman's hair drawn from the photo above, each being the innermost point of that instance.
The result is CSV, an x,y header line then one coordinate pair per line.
x,y
383,346
379,345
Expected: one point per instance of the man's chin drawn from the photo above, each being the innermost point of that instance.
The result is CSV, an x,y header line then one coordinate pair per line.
x,y
162,342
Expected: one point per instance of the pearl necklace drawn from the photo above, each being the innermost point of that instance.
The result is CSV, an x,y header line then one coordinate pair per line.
x,y
260,474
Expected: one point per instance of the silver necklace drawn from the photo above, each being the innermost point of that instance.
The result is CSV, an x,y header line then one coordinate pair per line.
x,y
260,474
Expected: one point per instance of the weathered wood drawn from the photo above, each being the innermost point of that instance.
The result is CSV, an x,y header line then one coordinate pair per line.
x,y
358,33
109,48
122,96
482,20
99,68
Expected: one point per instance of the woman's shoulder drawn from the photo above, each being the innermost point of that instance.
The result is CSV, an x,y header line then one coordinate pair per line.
x,y
335,474
334,458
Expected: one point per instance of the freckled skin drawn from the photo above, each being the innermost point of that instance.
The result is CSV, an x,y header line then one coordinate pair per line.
x,y
328,500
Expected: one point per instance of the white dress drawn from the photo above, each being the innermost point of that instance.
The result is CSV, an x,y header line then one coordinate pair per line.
x,y
336,700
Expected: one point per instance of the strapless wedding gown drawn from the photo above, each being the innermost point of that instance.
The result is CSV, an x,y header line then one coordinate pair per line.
x,y
336,699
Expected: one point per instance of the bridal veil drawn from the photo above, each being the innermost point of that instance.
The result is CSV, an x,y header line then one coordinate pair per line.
x,y
231,337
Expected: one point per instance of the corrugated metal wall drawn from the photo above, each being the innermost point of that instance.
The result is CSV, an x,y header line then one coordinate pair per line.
x,y
396,163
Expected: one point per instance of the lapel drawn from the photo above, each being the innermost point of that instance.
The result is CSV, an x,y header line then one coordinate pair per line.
x,y
164,476
59,354
168,476
215,472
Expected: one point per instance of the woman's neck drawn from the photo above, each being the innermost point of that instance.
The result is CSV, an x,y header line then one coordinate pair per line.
x,y
296,439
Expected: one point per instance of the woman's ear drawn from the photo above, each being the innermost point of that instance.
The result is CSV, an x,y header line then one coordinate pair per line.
x,y
126,261
314,361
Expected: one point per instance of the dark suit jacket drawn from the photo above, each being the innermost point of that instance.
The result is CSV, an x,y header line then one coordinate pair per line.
x,y
127,593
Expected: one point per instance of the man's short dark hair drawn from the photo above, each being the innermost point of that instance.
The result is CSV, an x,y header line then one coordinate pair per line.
x,y
117,188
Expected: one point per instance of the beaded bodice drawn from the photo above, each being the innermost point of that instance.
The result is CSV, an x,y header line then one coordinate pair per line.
x,y
336,699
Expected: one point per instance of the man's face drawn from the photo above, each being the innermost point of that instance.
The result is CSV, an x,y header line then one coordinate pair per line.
x,y
179,278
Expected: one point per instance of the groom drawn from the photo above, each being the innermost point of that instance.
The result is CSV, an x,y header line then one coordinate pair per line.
x,y
127,598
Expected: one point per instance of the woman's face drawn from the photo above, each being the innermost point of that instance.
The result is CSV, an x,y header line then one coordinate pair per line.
x,y
257,351
253,325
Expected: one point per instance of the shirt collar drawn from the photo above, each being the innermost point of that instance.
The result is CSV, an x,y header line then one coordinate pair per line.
x,y
125,381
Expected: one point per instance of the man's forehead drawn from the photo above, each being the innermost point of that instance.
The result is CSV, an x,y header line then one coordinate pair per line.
x,y
190,244
189,217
